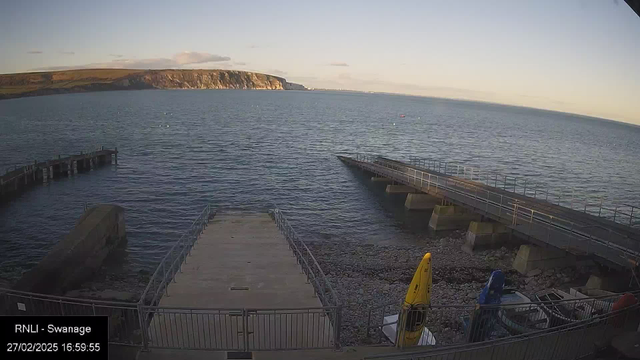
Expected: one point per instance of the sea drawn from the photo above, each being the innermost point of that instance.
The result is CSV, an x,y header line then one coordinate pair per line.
x,y
246,150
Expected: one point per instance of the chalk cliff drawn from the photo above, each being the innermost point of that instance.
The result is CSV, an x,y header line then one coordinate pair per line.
x,y
71,81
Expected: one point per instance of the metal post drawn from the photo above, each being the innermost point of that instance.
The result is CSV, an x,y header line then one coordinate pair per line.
x,y
504,186
631,217
337,325
615,212
600,210
525,187
143,329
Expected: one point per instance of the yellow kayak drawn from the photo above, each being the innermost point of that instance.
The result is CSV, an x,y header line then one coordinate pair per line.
x,y
413,316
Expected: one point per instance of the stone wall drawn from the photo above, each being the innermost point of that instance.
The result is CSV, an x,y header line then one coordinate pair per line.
x,y
76,258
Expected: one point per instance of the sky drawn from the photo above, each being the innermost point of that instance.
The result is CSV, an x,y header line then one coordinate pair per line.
x,y
578,56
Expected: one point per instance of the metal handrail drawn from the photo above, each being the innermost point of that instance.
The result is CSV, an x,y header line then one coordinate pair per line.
x,y
513,209
171,263
300,249
491,178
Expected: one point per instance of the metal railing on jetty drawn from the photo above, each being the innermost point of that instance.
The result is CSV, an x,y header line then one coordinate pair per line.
x,y
18,178
623,214
307,261
171,263
559,228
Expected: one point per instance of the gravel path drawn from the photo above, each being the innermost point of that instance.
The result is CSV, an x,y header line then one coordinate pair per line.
x,y
366,276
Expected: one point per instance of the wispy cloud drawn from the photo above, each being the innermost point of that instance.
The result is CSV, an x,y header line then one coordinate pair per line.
x,y
239,63
278,72
253,46
34,52
338,64
67,53
116,55
184,59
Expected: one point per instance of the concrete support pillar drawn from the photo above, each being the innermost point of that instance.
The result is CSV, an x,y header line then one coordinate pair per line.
x,y
451,218
531,257
399,189
416,201
45,176
91,163
485,235
75,167
50,172
612,282
381,179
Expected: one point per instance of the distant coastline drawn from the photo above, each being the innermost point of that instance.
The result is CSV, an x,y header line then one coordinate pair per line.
x,y
87,80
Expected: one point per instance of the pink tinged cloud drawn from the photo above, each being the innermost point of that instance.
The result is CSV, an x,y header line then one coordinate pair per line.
x,y
179,60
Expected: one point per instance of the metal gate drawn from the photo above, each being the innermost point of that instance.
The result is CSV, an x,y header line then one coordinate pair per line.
x,y
241,329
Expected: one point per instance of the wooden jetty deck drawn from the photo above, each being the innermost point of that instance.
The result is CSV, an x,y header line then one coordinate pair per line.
x,y
240,288
577,232
13,182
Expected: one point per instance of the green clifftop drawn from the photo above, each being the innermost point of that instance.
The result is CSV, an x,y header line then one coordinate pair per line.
x,y
72,81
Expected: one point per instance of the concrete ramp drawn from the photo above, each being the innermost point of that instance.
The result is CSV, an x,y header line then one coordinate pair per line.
x,y
241,288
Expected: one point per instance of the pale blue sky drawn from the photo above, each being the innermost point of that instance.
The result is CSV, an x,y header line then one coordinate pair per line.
x,y
572,55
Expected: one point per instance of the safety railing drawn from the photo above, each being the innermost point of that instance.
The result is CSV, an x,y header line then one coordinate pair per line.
x,y
241,329
567,342
172,262
312,270
461,324
553,229
307,261
124,322
623,214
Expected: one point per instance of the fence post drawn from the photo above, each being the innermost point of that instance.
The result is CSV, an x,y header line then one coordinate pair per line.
x,y
245,330
143,330
337,327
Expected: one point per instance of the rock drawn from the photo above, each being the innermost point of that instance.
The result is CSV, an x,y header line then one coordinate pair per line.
x,y
534,272
471,295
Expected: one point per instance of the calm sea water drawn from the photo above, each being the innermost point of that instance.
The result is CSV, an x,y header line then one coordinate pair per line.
x,y
181,149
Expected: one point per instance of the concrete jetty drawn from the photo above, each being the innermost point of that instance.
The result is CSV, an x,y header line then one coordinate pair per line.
x,y
13,182
555,232
240,288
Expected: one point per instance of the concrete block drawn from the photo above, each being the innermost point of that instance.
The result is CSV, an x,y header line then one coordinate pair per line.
x,y
609,283
417,201
76,258
451,218
486,235
532,257
381,179
400,189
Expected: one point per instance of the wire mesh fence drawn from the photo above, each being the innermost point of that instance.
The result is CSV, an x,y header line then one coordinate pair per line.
x,y
124,322
460,324
567,342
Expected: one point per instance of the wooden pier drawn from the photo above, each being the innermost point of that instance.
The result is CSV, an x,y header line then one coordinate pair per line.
x,y
15,181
